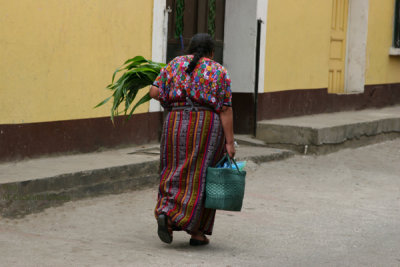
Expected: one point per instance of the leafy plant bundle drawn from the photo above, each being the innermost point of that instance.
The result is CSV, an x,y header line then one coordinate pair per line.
x,y
138,73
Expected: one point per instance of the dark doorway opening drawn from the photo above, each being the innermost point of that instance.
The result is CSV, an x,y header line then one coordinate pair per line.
x,y
189,17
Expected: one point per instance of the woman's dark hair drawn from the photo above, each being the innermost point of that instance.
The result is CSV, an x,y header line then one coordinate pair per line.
x,y
200,45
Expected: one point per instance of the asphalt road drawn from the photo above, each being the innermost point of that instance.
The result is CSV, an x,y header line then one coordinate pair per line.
x,y
341,209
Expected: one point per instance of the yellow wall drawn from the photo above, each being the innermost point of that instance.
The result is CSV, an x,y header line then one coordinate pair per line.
x,y
56,57
381,68
297,45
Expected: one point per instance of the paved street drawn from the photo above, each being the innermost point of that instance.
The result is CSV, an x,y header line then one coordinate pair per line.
x,y
341,209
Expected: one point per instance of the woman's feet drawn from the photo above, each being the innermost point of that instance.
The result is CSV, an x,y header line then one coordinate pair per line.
x,y
199,240
164,232
164,229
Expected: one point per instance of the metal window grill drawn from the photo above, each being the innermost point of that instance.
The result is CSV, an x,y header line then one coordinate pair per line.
x,y
396,36
211,18
180,8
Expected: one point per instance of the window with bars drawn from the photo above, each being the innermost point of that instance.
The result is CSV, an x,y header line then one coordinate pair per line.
x,y
396,34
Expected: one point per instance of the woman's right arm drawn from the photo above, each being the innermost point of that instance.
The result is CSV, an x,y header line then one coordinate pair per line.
x,y
154,92
226,116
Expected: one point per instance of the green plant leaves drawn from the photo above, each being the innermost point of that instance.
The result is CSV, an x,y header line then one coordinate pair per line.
x,y
143,100
137,73
103,102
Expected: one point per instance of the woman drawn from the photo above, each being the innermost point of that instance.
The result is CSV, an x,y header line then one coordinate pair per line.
x,y
197,130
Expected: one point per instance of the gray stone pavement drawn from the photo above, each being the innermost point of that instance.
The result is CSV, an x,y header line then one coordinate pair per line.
x,y
341,209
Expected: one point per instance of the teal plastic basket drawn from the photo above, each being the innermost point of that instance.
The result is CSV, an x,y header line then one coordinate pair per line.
x,y
225,186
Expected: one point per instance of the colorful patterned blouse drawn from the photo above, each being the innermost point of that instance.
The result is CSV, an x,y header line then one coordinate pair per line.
x,y
208,84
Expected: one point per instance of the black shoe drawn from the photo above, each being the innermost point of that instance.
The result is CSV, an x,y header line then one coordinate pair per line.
x,y
195,242
162,231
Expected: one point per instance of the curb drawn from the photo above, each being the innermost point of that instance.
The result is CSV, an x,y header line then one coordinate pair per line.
x,y
24,197
18,199
284,154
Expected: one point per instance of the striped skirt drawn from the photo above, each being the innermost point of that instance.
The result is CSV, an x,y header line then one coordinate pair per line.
x,y
191,141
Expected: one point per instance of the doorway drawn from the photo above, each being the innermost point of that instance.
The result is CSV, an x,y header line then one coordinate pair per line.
x,y
188,17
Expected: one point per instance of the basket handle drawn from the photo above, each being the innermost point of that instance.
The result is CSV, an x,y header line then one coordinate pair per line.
x,y
234,162
230,160
221,161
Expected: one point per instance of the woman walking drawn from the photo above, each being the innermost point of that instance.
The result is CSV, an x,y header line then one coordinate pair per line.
x,y
197,131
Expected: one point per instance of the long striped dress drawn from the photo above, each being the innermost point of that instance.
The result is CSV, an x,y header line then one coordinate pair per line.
x,y
191,141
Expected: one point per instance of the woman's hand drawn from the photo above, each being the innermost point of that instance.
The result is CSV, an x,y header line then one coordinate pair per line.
x,y
230,149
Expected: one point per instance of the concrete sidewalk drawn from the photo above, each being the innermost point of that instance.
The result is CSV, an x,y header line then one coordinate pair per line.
x,y
329,132
33,185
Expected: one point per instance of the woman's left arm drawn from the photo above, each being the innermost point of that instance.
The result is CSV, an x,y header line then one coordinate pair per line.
x,y
154,92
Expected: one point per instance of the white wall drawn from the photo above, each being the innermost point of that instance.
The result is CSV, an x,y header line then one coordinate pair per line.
x,y
240,43
262,11
356,46
159,40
